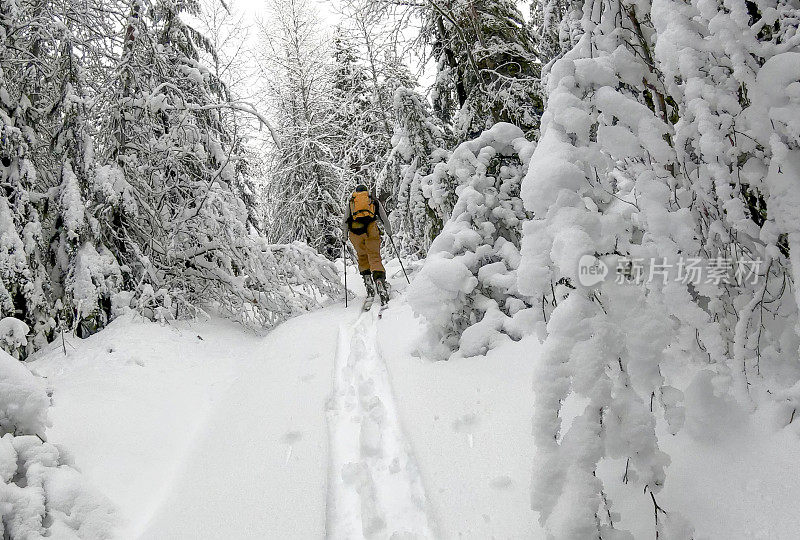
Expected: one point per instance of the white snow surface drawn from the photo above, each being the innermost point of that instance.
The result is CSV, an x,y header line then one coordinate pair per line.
x,y
330,427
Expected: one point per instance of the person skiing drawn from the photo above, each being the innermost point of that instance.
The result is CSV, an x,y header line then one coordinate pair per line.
x,y
360,224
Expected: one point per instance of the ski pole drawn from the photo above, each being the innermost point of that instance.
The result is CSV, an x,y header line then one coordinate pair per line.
x,y
398,258
344,259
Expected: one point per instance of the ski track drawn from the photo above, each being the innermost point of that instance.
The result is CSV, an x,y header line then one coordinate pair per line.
x,y
374,488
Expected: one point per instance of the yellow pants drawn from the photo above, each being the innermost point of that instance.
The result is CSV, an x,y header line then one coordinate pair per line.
x,y
368,249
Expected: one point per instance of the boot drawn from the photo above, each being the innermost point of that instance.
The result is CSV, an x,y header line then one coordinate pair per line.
x,y
381,285
368,284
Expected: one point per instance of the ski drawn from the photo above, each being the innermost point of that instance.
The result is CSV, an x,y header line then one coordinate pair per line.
x,y
368,303
380,311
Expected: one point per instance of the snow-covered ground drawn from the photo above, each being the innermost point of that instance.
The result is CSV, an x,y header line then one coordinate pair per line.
x,y
330,425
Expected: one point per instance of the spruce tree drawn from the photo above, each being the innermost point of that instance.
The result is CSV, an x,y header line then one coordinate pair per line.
x,y
174,217
487,66
24,286
303,187
419,142
357,147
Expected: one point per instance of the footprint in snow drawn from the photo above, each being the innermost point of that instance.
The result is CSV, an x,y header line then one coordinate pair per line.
x,y
135,361
292,437
370,437
405,535
502,482
289,439
357,475
354,473
466,423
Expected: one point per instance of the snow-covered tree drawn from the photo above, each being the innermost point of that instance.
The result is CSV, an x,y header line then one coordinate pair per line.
x,y
303,189
168,199
487,65
358,141
487,72
556,25
86,276
366,47
467,288
23,275
124,183
668,136
229,33
418,144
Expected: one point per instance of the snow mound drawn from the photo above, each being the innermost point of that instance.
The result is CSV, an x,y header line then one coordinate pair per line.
x,y
41,494
23,398
13,335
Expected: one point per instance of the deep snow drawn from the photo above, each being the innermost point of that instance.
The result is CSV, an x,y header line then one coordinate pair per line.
x,y
331,425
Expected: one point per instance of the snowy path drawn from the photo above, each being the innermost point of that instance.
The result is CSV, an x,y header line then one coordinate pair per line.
x,y
375,488
262,463
201,430
258,468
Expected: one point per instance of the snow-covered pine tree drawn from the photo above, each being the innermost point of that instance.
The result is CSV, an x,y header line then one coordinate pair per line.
x,y
487,72
37,483
85,275
23,275
359,142
669,130
389,174
372,51
419,142
467,288
90,225
556,25
303,189
228,32
487,65
168,207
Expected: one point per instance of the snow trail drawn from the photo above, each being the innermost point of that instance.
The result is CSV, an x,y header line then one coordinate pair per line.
x,y
374,486
257,468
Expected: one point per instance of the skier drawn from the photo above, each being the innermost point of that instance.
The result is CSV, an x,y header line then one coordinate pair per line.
x,y
360,223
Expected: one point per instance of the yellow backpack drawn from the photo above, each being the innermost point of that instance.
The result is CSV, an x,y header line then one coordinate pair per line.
x,y
362,208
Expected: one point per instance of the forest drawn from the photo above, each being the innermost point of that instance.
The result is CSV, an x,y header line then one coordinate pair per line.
x,y
611,180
